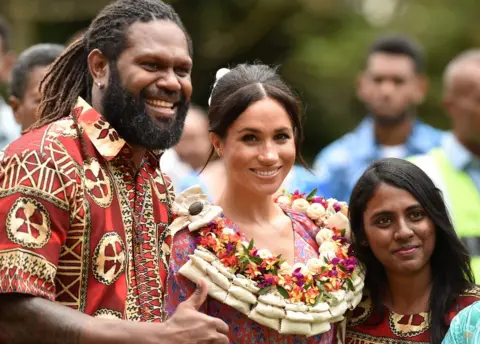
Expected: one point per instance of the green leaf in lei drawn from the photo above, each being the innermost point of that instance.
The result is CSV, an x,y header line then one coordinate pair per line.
x,y
256,260
349,283
283,292
312,194
318,299
250,245
265,290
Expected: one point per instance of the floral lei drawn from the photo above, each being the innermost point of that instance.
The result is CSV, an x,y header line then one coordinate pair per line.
x,y
317,281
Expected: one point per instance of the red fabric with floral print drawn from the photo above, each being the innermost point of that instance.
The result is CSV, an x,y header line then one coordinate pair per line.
x,y
80,224
242,329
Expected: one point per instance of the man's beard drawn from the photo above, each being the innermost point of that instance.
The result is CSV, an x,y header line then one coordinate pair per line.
x,y
127,115
392,121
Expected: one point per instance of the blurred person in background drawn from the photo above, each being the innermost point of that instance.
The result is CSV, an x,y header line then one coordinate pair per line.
x,y
9,129
191,152
29,70
455,165
391,87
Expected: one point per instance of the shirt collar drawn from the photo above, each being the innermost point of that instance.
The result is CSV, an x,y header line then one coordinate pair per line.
x,y
103,136
365,132
459,156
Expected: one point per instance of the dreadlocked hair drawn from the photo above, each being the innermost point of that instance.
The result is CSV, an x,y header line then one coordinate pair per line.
x,y
69,76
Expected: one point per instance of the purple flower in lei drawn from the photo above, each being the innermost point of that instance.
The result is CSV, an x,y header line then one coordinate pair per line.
x,y
321,201
230,248
339,238
351,263
351,251
265,282
300,279
333,273
337,207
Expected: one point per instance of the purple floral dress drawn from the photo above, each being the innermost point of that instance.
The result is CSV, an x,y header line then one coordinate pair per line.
x,y
242,329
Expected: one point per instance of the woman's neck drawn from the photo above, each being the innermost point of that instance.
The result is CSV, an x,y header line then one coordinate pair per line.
x,y
409,294
240,205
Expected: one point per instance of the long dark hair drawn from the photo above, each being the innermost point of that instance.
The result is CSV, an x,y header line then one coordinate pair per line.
x,y
244,85
450,262
69,77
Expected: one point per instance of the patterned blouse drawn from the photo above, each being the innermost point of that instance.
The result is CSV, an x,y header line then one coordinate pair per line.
x,y
242,329
366,327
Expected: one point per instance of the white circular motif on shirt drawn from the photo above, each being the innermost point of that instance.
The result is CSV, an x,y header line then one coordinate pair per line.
x,y
98,183
109,258
28,223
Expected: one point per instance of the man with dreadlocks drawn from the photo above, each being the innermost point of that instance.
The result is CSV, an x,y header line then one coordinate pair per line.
x,y
84,208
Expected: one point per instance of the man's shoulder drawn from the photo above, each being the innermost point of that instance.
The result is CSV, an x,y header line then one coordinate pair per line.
x,y
430,135
340,152
57,138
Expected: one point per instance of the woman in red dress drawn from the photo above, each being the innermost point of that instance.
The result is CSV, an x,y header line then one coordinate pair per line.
x,y
418,271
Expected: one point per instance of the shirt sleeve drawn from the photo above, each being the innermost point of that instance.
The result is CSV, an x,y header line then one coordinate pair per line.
x,y
35,199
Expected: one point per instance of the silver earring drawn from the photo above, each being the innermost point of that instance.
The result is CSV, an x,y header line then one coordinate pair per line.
x,y
100,85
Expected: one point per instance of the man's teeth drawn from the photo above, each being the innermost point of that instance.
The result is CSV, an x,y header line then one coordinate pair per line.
x,y
159,103
266,173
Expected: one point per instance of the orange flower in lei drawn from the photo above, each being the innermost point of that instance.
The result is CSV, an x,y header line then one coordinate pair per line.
x,y
298,285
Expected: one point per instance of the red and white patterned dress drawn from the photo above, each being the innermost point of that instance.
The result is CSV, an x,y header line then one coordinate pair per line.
x,y
81,225
242,329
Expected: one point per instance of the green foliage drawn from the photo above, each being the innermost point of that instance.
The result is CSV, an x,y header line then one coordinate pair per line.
x,y
320,46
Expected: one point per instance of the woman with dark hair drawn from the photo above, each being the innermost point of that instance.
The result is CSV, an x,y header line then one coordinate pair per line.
x,y
418,271
255,127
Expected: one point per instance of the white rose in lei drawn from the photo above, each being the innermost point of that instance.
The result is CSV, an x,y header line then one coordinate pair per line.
x,y
328,246
315,265
228,231
285,268
264,253
301,205
323,235
284,200
327,250
315,211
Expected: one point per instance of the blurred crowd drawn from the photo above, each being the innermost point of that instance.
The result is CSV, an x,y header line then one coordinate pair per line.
x,y
391,85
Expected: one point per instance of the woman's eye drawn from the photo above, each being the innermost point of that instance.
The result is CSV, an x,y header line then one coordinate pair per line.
x,y
282,137
249,138
383,221
417,215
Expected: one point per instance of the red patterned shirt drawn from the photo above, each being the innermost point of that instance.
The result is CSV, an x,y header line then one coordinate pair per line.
x,y
367,327
81,225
